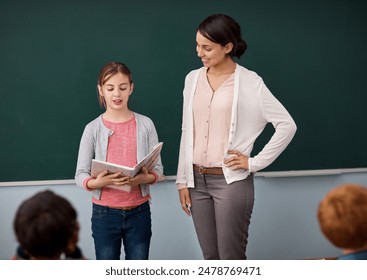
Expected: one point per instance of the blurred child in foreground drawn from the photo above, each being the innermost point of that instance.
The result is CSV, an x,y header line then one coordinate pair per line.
x,y
342,216
46,228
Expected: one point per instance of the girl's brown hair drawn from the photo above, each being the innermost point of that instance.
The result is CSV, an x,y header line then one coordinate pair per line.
x,y
108,70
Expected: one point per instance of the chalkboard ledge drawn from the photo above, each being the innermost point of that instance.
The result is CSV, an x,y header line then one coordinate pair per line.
x,y
318,172
269,174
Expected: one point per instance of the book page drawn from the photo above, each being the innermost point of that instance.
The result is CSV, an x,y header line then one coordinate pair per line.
x,y
149,161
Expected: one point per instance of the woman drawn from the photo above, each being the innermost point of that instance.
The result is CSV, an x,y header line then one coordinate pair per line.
x,y
226,107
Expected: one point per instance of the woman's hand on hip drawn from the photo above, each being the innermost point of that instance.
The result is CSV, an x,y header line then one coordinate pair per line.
x,y
236,160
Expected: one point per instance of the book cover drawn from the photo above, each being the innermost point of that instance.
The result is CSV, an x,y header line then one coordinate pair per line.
x,y
149,161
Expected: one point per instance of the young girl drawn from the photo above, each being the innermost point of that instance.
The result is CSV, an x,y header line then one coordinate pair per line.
x,y
123,137
226,107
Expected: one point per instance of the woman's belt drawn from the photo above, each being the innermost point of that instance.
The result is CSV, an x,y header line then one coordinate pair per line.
x,y
208,170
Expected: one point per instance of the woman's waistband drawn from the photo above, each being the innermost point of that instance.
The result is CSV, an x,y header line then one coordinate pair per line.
x,y
208,170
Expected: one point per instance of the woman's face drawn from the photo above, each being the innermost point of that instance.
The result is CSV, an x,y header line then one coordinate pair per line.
x,y
211,54
116,91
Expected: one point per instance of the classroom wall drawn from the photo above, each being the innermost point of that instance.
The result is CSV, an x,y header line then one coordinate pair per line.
x,y
283,226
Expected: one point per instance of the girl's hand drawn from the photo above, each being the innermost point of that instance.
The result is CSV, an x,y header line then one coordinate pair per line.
x,y
144,177
185,200
238,161
104,179
152,162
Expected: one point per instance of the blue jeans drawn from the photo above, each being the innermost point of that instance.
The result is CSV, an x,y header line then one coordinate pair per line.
x,y
111,226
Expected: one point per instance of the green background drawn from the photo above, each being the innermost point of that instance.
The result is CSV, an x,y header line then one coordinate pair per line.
x,y
311,54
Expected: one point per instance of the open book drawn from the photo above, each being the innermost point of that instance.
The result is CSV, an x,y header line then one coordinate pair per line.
x,y
149,161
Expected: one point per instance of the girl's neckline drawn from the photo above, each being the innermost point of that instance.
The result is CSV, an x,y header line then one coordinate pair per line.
x,y
122,121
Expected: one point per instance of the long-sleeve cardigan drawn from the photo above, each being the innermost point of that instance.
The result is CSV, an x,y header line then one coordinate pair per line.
x,y
253,107
94,142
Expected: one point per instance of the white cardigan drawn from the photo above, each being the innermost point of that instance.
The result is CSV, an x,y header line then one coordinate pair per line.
x,y
253,107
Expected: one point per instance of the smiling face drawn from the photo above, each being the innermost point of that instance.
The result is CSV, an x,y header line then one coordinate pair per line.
x,y
116,91
211,54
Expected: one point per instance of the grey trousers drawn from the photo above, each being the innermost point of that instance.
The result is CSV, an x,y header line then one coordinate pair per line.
x,y
221,215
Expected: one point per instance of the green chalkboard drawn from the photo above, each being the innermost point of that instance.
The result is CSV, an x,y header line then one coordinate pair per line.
x,y
311,54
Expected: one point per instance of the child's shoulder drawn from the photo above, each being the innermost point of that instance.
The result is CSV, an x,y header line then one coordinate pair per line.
x,y
143,119
95,122
94,125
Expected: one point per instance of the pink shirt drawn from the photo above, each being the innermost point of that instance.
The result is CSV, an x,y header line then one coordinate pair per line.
x,y
212,119
121,150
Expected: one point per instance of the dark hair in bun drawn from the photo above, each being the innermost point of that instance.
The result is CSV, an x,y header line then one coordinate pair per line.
x,y
223,29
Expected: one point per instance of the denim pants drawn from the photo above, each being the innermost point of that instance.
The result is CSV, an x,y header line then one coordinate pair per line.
x,y
221,215
111,226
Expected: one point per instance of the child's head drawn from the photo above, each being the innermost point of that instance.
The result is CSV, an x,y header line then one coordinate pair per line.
x,y
46,225
342,216
107,71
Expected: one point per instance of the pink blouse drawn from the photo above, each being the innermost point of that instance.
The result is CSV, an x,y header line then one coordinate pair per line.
x,y
212,119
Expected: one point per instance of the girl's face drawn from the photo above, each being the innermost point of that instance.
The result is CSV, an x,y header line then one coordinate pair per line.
x,y
211,54
116,91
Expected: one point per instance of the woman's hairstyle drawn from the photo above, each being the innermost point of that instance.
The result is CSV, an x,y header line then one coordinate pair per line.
x,y
223,29
107,71
44,224
342,216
